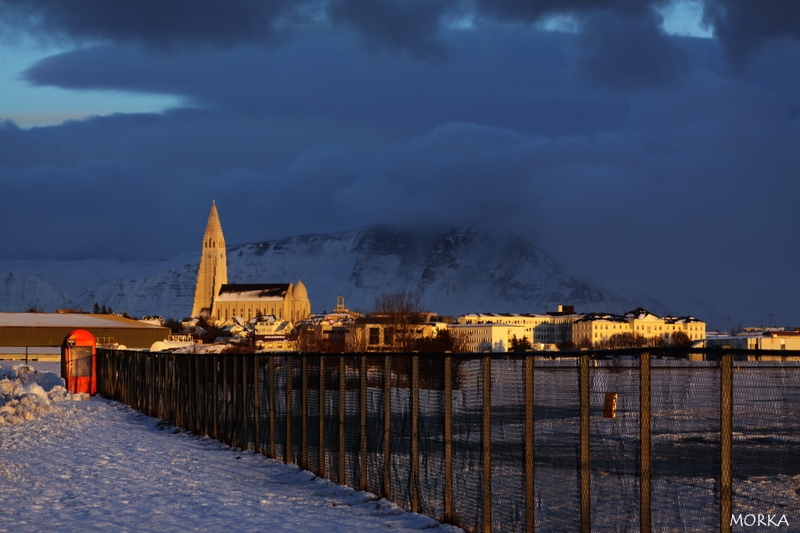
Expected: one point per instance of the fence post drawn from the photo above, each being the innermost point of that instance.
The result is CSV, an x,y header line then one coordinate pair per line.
x,y
245,405
193,382
287,451
167,412
342,399
215,398
201,411
257,402
387,427
585,456
448,439
196,396
322,469
142,382
272,382
201,395
178,401
644,443
726,441
236,407
177,371
362,411
138,381
486,443
207,394
186,380
153,408
530,405
223,434
414,433
304,408
134,383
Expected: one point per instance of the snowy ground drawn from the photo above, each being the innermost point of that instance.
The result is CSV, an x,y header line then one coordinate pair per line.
x,y
99,465
78,465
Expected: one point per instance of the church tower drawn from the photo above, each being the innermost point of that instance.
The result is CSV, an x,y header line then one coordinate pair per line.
x,y
213,271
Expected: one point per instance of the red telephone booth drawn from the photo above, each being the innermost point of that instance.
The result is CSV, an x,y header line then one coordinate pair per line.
x,y
79,362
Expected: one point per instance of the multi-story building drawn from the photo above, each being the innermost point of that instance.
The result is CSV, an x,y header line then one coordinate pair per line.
x,y
391,332
545,331
329,332
758,339
273,334
487,336
598,329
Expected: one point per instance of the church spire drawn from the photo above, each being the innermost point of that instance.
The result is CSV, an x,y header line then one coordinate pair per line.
x,y
213,271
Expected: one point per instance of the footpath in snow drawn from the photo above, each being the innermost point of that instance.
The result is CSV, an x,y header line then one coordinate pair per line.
x,y
93,464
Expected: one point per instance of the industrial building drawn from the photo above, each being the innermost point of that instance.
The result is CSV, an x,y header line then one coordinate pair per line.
x,y
21,330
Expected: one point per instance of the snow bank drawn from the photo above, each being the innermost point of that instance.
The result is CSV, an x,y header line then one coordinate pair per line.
x,y
100,465
26,394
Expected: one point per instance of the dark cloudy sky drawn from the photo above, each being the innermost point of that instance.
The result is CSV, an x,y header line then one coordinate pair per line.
x,y
650,147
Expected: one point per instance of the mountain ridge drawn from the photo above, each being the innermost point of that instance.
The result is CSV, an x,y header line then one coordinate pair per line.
x,y
457,271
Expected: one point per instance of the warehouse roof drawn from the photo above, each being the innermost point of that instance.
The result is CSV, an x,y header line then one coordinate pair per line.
x,y
69,320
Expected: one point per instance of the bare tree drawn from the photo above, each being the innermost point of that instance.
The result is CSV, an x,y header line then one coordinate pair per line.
x,y
584,342
623,340
403,318
306,340
355,339
444,341
460,341
680,339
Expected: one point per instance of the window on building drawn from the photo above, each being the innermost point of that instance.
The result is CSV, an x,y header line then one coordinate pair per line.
x,y
374,335
388,337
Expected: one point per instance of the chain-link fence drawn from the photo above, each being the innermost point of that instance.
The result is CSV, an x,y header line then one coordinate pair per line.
x,y
590,441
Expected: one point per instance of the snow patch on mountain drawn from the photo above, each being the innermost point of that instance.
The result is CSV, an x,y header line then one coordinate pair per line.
x,y
462,270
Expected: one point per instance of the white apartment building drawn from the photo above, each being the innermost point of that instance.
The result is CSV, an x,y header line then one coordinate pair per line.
x,y
487,337
757,340
598,328
544,331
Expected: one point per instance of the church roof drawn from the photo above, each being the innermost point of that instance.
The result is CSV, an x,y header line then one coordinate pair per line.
x,y
252,291
214,226
300,292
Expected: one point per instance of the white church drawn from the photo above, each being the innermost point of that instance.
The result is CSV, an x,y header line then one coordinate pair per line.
x,y
217,300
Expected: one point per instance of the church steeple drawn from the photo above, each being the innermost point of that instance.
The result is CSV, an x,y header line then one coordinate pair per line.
x,y
213,271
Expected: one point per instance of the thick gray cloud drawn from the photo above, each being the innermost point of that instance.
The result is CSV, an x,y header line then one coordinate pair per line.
x,y
410,25
621,49
744,26
152,22
636,158
413,27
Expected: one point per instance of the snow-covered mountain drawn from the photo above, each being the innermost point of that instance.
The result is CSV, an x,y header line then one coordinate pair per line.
x,y
463,270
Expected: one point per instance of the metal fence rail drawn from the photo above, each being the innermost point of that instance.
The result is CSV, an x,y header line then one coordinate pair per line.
x,y
499,442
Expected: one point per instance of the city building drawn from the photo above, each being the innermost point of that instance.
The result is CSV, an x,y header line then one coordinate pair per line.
x,y
757,339
329,332
488,336
605,329
20,330
545,331
393,332
273,334
217,300
213,271
251,300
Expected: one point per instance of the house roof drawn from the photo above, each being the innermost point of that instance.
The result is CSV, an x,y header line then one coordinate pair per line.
x,y
252,291
602,316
